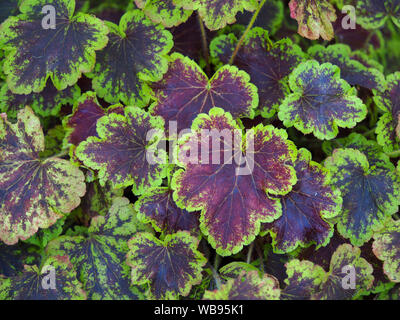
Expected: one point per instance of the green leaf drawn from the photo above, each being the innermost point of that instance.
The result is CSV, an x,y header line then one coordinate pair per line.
x,y
169,267
34,192
373,14
34,53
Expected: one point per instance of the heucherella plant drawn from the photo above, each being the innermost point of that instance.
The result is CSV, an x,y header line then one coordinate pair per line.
x,y
199,150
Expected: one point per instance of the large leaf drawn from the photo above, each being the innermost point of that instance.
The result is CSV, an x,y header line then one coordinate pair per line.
x,y
314,17
34,53
321,101
247,286
216,14
386,247
34,192
33,283
389,103
46,103
185,91
169,268
233,204
99,256
164,12
372,14
351,70
306,210
122,153
134,55
370,193
268,65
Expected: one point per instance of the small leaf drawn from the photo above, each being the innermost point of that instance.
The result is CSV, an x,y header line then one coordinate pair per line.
x,y
99,256
170,267
321,101
135,55
247,286
34,192
121,150
306,210
373,14
8,8
314,17
13,258
386,247
268,64
389,103
34,53
371,193
233,204
186,91
32,283
216,14
351,70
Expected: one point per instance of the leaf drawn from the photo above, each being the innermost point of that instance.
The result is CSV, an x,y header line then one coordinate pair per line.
x,y
306,210
169,268
373,14
314,17
46,103
33,53
34,192
122,152
389,103
81,123
386,248
216,14
99,256
164,12
235,269
13,258
247,286
186,91
53,141
233,202
135,55
44,236
351,70
157,207
321,101
268,64
8,8
371,193
32,283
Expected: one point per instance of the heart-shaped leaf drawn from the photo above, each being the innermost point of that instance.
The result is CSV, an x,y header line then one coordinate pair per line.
x,y
36,51
34,192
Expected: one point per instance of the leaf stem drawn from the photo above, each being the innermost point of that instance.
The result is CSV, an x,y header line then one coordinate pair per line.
x,y
250,252
204,45
244,35
394,154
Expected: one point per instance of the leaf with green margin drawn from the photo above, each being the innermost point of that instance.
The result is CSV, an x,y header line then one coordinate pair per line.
x,y
247,286
123,154
34,54
28,285
46,103
158,207
371,193
34,192
8,8
164,12
99,257
314,18
185,91
306,209
373,14
321,101
135,55
233,201
386,247
370,148
304,279
351,70
234,269
169,267
13,258
268,64
389,103
216,14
